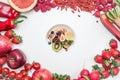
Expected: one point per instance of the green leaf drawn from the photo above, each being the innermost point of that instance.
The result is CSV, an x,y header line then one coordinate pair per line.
x,y
117,2
107,62
96,67
112,73
115,64
86,77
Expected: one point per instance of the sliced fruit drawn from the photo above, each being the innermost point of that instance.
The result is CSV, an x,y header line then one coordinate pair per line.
x,y
56,46
22,5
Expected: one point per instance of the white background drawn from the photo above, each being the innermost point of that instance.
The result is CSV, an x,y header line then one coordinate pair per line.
x,y
90,39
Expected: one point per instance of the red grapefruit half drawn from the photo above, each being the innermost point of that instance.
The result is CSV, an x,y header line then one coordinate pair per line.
x,y
22,5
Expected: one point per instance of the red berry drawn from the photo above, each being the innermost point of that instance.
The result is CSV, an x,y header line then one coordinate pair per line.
x,y
103,2
106,66
84,72
81,78
113,44
24,72
106,54
116,62
109,1
94,75
18,76
115,53
36,65
98,59
10,33
5,71
17,39
100,8
27,66
97,13
12,74
26,78
114,71
105,73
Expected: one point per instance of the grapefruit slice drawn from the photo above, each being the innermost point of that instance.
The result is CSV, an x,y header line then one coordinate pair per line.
x,y
22,5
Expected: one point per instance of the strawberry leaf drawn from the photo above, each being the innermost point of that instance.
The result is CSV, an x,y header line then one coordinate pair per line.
x,y
112,73
107,62
86,77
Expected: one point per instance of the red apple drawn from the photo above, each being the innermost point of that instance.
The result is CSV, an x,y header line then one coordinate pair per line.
x,y
42,74
3,60
16,59
5,45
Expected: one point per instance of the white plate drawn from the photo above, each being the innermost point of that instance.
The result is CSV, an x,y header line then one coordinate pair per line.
x,y
90,39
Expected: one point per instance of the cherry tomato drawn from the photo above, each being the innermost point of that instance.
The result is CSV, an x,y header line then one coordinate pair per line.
x,y
26,78
5,71
24,72
12,74
27,66
18,76
36,65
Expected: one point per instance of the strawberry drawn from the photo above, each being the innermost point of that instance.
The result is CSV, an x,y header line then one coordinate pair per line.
x,y
95,75
115,53
3,60
10,33
98,59
106,64
113,44
106,54
17,39
105,73
114,71
84,72
116,62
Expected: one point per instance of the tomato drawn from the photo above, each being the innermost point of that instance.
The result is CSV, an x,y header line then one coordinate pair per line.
x,y
18,76
36,65
12,74
26,78
24,72
42,74
27,66
5,71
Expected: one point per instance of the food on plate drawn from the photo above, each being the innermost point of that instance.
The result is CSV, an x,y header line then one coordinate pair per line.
x,y
60,37
23,5
7,11
16,59
5,45
42,74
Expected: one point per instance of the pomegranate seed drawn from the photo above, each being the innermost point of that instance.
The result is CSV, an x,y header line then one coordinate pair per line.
x,y
97,13
109,1
100,8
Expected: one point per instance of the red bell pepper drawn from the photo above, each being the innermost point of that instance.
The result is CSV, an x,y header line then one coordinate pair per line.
x,y
109,25
7,11
9,24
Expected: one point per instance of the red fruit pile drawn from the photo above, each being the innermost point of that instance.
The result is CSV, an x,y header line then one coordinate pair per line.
x,y
103,6
16,39
6,74
109,62
44,5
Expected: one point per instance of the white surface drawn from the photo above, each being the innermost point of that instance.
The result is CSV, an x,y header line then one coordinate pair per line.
x,y
90,39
